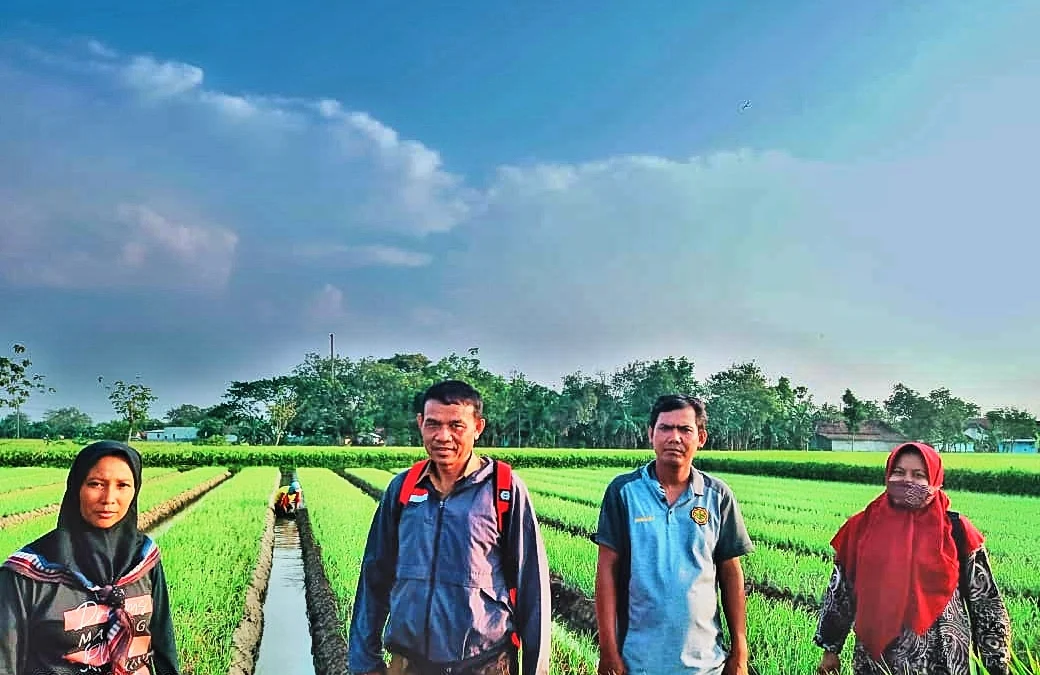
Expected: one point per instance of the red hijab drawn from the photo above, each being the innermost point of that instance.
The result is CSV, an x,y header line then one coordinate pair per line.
x,y
902,563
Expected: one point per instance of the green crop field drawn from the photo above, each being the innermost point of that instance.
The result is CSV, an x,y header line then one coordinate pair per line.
x,y
211,551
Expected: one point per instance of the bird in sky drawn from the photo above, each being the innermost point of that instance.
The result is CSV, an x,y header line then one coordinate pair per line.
x,y
746,105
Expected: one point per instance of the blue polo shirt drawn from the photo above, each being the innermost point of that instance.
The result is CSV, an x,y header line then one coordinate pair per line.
x,y
670,620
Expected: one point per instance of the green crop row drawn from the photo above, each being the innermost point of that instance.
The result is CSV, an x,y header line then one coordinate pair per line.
x,y
1003,474
800,516
18,478
572,653
779,634
21,501
1025,463
804,515
777,562
210,556
152,495
340,515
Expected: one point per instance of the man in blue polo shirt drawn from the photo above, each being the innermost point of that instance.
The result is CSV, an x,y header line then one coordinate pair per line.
x,y
669,537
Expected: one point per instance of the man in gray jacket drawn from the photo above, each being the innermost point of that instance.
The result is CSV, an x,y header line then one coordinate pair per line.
x,y
443,565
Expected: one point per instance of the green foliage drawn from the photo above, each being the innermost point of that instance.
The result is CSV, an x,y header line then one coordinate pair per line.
x,y
740,407
131,401
116,430
186,415
67,423
17,384
939,419
1008,424
853,412
214,440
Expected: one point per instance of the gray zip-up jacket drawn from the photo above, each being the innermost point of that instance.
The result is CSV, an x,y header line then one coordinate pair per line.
x,y
440,576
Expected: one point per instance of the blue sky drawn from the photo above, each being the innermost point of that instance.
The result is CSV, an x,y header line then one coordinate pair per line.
x,y
197,193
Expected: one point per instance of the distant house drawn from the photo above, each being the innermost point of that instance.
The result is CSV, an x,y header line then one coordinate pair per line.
x,y
173,434
1018,446
872,435
369,438
977,429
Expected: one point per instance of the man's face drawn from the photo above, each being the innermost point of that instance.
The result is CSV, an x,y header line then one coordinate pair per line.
x,y
449,432
106,493
676,437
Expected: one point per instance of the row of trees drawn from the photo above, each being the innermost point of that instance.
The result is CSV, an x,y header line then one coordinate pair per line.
x,y
18,383
326,400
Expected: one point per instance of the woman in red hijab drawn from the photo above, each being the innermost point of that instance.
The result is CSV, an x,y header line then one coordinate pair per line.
x,y
897,577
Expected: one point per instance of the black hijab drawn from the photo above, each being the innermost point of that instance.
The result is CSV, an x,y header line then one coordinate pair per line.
x,y
101,555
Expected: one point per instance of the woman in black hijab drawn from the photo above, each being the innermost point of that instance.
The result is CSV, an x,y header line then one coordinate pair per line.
x,y
89,596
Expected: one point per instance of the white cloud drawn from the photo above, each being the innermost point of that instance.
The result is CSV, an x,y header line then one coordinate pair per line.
x,y
161,78
98,48
97,146
362,256
131,246
208,250
326,306
235,107
850,274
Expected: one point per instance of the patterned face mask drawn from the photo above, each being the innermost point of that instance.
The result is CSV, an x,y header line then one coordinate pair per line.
x,y
908,495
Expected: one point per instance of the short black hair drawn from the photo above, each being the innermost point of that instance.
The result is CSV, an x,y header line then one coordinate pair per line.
x,y
452,392
670,402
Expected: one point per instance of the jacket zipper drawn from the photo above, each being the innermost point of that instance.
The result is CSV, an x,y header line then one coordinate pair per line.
x,y
433,571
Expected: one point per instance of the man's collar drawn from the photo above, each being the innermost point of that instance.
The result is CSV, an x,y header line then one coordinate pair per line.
x,y
472,466
696,479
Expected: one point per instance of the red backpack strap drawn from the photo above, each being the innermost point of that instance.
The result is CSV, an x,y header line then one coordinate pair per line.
x,y
411,479
503,492
503,502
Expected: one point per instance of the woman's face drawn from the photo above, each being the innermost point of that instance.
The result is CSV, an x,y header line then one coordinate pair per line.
x,y
106,493
910,467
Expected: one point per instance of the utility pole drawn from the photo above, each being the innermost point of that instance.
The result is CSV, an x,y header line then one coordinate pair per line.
x,y
332,386
332,353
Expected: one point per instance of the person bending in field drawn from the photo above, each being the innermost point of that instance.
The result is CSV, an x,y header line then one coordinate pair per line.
x,y
89,596
464,588
915,579
288,498
669,537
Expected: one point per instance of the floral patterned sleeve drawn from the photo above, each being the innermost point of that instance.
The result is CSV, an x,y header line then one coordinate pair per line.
x,y
837,611
990,624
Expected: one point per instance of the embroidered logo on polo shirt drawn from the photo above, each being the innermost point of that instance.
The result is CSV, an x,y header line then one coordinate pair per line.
x,y
699,515
644,519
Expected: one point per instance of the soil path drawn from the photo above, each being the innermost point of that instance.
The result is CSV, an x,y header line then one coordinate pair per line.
x,y
327,644
246,639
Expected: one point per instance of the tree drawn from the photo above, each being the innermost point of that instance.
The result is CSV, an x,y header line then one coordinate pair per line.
x,y
17,385
637,386
186,415
116,430
740,403
1008,424
912,414
131,402
853,412
246,408
12,425
281,411
794,423
951,416
68,422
